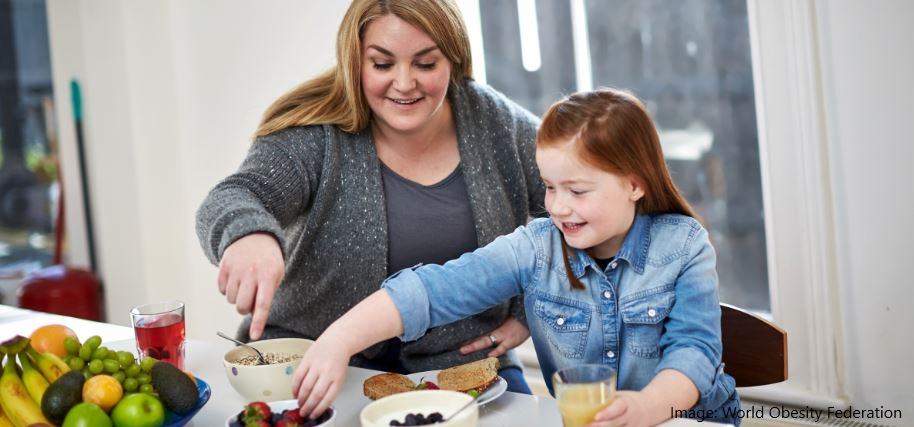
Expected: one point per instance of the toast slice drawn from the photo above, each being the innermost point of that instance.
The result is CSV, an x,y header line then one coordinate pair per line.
x,y
386,384
478,375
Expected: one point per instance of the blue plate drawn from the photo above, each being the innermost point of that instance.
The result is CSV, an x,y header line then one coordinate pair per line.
x,y
203,394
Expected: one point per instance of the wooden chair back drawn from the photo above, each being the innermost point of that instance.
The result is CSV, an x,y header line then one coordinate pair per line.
x,y
755,350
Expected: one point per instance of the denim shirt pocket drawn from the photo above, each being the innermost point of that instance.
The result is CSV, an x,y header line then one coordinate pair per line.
x,y
643,315
566,323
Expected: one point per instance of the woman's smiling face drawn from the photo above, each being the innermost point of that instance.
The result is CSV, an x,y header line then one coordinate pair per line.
x,y
404,75
593,208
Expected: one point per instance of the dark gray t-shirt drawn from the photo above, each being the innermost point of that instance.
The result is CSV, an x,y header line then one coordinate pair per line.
x,y
429,224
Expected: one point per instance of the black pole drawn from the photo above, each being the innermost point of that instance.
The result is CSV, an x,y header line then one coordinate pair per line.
x,y
83,172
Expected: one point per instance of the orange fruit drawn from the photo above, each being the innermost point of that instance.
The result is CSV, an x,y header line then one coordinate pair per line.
x,y
49,338
104,391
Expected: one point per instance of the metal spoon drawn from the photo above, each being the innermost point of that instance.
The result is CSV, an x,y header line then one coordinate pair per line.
x,y
260,359
470,403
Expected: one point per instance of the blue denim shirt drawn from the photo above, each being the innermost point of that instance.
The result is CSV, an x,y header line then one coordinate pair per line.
x,y
654,307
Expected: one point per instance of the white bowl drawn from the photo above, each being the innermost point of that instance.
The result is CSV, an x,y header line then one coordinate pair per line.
x,y
395,407
278,407
264,382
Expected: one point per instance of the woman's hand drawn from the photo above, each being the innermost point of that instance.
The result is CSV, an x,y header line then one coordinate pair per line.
x,y
628,409
249,274
319,377
510,334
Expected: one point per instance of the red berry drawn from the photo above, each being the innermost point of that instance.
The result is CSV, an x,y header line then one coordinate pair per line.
x,y
431,386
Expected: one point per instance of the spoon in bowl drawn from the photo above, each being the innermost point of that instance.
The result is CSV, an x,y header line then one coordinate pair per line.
x,y
260,359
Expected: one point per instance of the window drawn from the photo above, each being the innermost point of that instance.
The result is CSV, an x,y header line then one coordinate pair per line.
x,y
690,61
735,90
28,168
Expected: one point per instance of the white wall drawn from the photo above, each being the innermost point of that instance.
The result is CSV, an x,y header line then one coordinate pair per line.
x,y
867,66
173,90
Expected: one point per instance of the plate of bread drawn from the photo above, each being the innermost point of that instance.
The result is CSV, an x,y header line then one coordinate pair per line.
x,y
479,378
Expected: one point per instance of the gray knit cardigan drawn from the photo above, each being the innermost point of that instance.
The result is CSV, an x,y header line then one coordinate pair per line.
x,y
319,191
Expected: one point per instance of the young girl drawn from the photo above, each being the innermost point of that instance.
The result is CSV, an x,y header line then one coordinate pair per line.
x,y
621,274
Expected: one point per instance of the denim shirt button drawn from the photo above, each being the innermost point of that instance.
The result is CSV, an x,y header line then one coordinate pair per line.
x,y
560,321
613,265
607,294
610,354
651,312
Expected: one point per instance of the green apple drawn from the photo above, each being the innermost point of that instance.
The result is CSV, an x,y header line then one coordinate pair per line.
x,y
138,410
86,415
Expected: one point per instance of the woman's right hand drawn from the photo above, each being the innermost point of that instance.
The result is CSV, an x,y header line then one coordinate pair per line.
x,y
249,274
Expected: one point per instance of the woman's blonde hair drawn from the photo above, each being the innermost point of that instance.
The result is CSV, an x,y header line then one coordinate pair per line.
x,y
614,132
335,97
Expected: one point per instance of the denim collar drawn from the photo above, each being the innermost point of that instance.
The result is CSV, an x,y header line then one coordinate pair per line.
x,y
633,250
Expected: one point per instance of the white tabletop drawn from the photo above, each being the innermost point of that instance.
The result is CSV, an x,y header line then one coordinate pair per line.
x,y
204,359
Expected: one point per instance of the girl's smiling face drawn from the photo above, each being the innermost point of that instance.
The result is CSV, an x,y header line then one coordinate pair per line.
x,y
593,208
404,75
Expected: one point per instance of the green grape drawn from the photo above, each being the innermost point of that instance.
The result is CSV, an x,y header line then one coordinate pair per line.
x,y
100,353
147,388
130,384
96,367
71,344
85,353
93,342
126,358
119,376
144,379
86,373
147,363
111,366
76,364
473,393
132,371
68,358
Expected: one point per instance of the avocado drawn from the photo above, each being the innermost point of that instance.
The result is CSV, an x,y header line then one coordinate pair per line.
x,y
176,390
62,395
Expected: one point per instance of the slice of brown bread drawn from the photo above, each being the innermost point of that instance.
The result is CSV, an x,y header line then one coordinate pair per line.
x,y
478,375
386,384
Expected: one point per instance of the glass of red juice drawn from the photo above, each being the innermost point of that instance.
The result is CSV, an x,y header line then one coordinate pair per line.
x,y
159,329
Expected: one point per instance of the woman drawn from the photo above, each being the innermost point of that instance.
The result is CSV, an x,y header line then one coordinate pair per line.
x,y
395,157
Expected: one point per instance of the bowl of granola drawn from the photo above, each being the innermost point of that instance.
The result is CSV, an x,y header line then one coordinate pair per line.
x,y
268,382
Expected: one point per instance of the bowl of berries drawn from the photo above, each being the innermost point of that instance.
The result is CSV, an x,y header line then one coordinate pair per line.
x,y
422,407
283,413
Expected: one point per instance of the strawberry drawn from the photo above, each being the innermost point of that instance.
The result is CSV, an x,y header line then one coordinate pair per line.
x,y
292,415
431,386
255,412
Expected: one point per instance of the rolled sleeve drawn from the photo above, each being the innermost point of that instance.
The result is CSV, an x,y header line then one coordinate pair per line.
x,y
693,364
409,295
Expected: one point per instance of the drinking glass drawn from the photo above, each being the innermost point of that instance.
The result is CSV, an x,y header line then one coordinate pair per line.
x,y
582,391
159,329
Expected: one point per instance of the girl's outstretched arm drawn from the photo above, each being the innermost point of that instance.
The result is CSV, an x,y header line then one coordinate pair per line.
x,y
322,370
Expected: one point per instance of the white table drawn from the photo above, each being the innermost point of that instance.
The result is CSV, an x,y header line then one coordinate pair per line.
x,y
204,359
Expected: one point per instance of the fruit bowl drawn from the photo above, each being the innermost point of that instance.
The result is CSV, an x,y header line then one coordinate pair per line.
x,y
272,382
203,394
280,406
397,406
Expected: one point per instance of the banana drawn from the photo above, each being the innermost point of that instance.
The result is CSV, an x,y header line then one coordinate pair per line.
x,y
15,400
34,382
4,421
49,364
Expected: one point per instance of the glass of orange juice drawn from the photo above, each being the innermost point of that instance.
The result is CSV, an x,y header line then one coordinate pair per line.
x,y
582,391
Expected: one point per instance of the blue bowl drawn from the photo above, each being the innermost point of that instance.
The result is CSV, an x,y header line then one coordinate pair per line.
x,y
203,394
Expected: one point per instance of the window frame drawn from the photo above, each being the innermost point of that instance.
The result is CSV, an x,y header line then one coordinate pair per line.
x,y
798,197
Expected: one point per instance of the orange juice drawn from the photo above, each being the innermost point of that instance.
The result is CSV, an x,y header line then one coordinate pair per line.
x,y
580,403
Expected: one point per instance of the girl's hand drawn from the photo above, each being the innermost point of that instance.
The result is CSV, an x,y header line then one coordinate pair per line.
x,y
319,377
249,274
510,334
628,409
